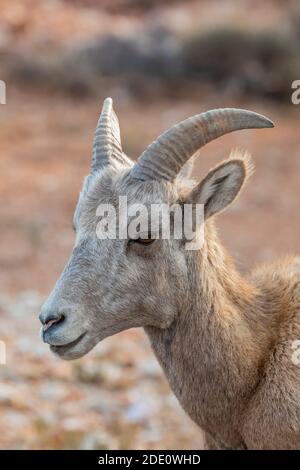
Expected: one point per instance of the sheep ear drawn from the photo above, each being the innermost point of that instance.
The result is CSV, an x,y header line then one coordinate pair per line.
x,y
221,186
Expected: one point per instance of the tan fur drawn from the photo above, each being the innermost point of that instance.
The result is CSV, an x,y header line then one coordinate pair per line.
x,y
229,359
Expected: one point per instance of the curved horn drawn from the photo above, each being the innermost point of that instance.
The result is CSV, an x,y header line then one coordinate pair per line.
x,y
107,147
164,158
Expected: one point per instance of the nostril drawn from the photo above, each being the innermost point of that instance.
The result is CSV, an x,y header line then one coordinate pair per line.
x,y
52,320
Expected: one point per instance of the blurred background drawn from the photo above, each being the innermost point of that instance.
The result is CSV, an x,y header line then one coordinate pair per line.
x,y
161,61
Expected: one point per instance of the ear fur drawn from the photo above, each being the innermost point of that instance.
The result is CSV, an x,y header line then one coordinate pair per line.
x,y
187,169
222,184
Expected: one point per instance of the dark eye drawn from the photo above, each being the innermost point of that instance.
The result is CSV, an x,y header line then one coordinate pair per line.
x,y
141,241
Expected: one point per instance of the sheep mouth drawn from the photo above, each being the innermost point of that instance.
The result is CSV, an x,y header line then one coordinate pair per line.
x,y
61,349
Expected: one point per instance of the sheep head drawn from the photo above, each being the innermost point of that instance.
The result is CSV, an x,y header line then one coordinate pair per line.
x,y
112,283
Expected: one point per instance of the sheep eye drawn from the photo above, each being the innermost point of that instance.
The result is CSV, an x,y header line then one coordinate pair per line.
x,y
141,241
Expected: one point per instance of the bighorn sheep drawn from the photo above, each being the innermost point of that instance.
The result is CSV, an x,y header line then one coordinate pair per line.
x,y
223,341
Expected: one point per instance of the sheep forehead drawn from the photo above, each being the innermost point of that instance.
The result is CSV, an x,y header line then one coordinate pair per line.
x,y
107,188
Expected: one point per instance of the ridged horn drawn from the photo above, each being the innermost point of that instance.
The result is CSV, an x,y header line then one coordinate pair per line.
x,y
164,158
107,147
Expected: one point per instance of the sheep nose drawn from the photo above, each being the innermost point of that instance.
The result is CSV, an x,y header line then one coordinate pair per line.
x,y
49,319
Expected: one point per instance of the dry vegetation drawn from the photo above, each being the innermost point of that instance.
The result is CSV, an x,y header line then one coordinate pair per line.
x,y
117,397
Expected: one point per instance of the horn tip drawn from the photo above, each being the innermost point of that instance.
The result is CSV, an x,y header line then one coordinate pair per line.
x,y
259,121
108,100
107,104
264,121
269,123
